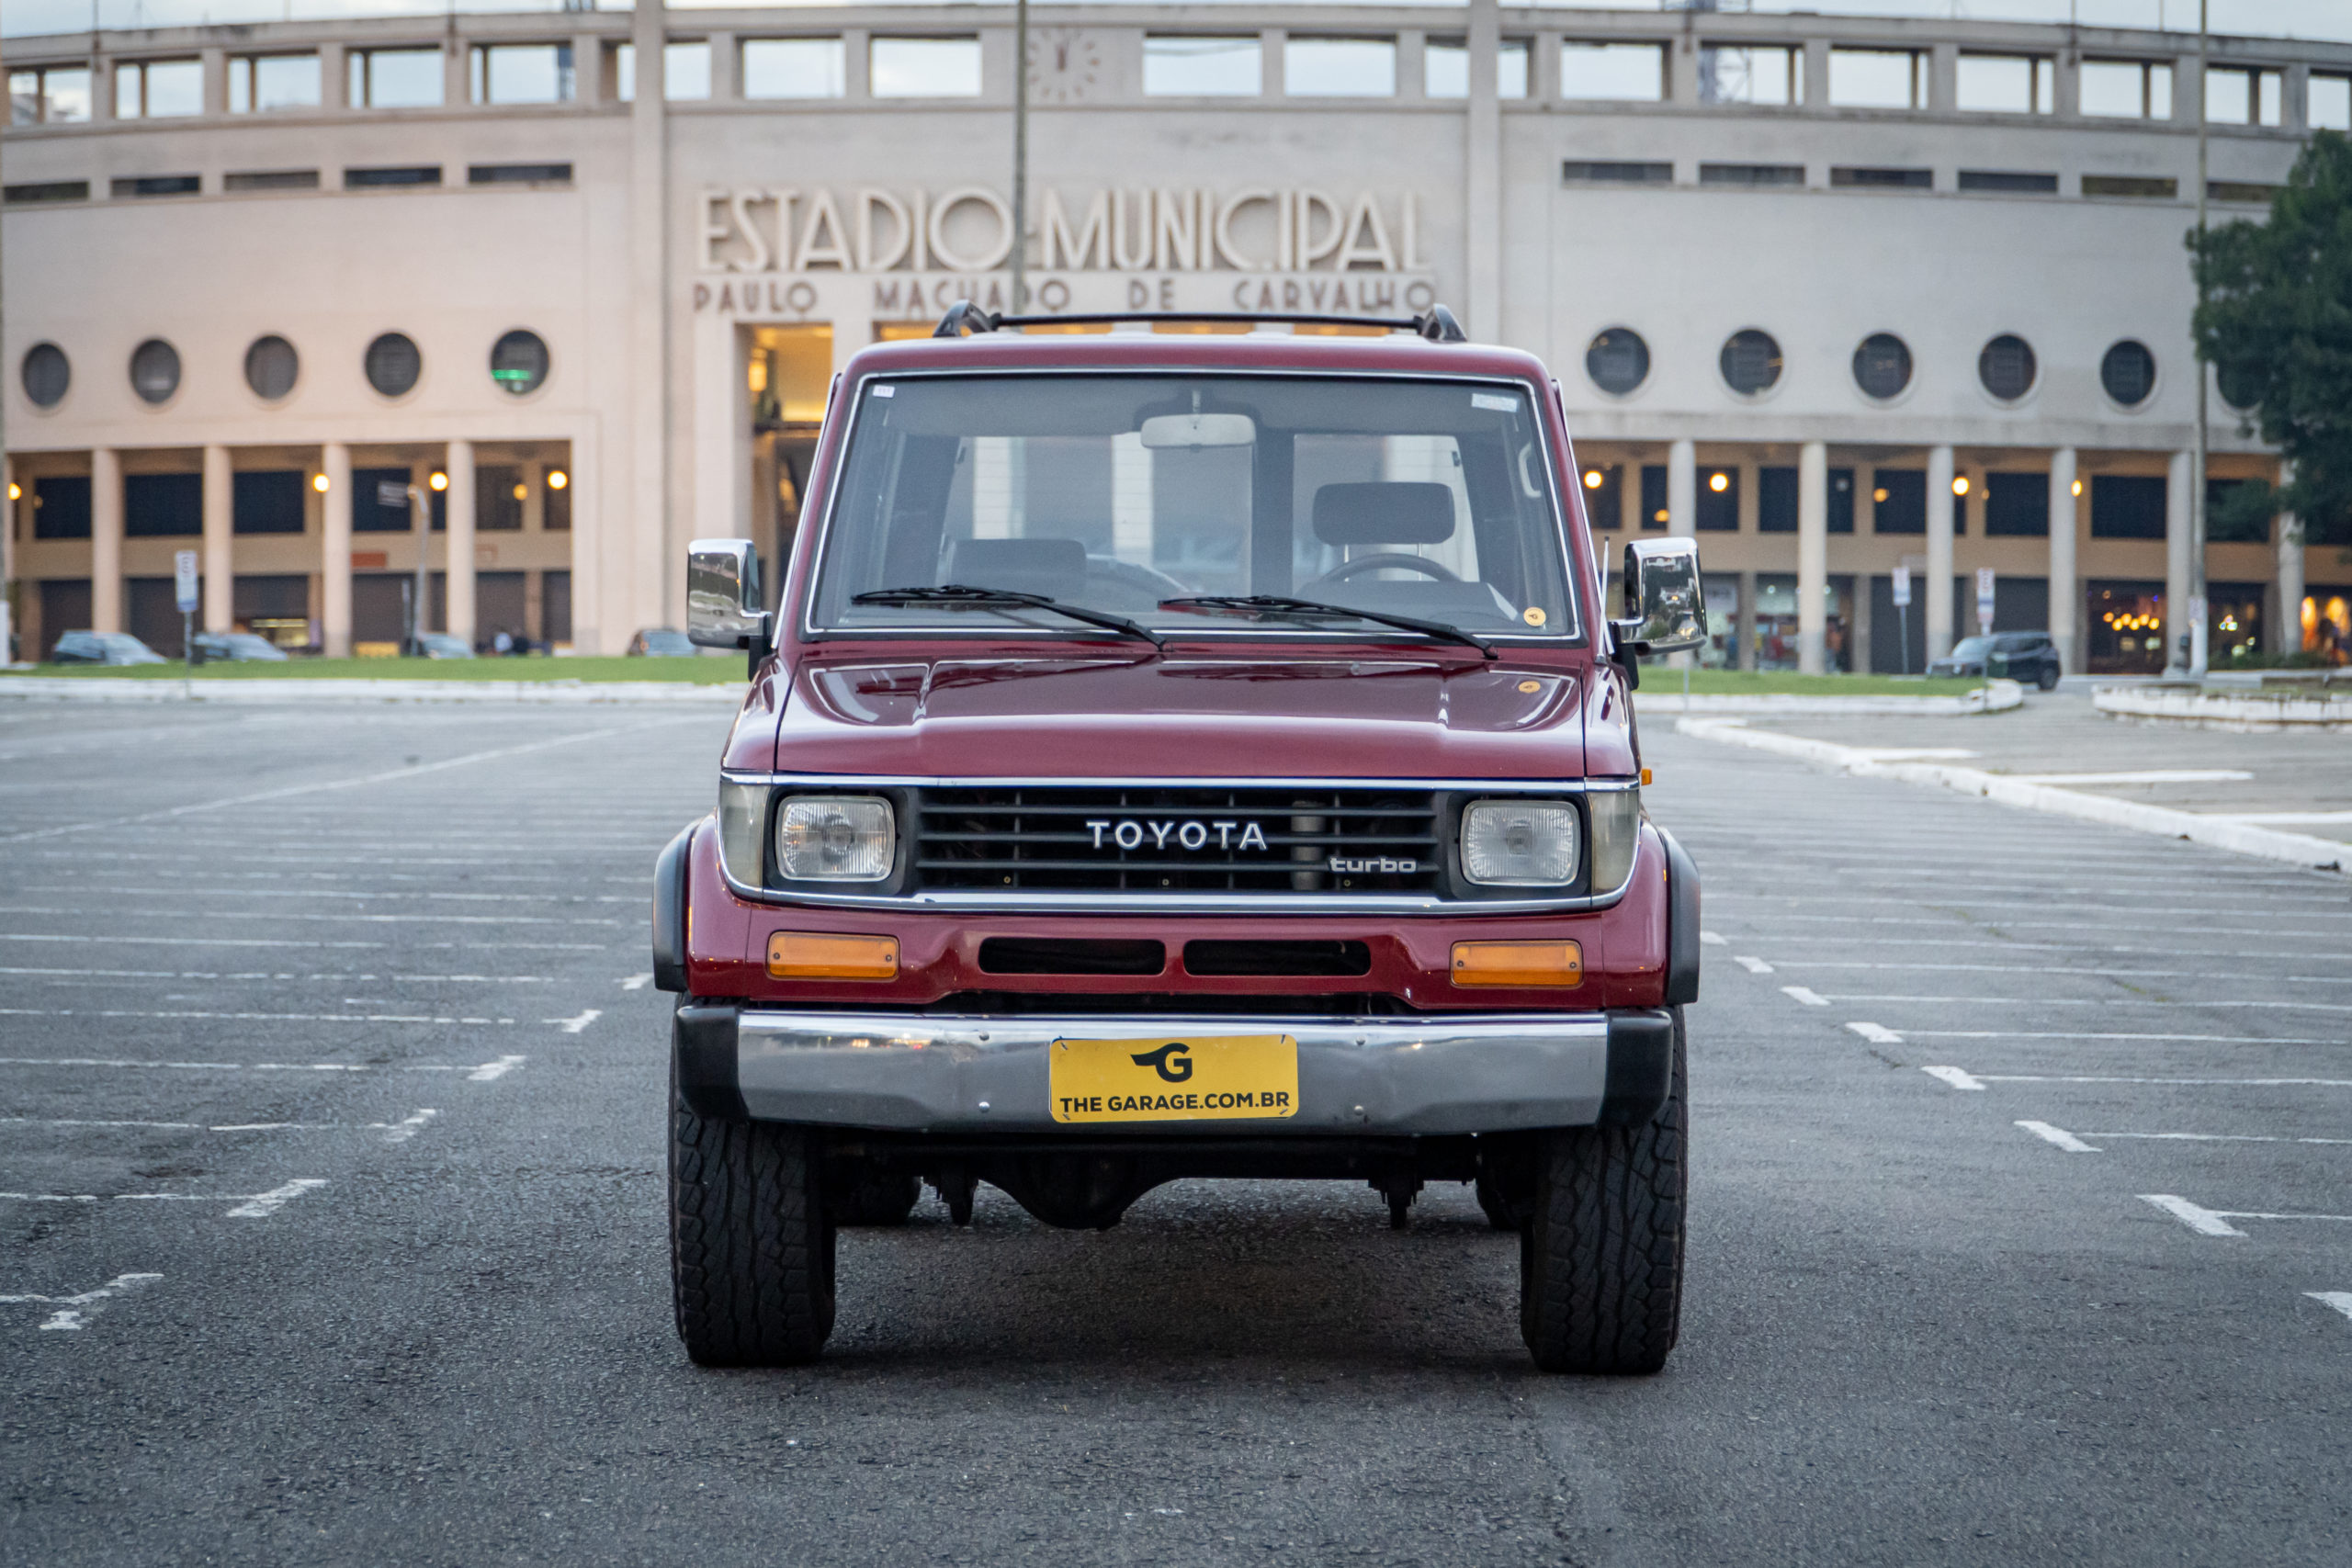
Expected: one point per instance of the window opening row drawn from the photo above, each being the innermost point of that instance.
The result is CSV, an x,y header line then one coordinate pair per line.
x,y
1750,362
1189,65
392,364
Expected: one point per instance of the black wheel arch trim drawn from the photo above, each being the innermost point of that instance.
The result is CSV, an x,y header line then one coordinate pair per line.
x,y
1682,942
669,911
702,1037
1641,1065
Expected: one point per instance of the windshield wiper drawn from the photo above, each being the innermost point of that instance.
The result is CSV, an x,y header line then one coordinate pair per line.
x,y
1282,604
951,594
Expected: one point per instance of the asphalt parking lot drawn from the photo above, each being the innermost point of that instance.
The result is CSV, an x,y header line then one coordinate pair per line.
x,y
331,1212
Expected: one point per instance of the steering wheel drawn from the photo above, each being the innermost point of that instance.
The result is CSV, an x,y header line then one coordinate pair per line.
x,y
1422,564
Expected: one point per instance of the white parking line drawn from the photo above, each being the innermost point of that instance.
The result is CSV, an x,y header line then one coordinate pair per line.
x,y
2059,1137
1961,1078
399,1131
74,1312
250,1205
1753,966
1709,939
250,1017
31,971
2216,1222
114,914
480,1072
2340,1300
2233,975
579,1021
1804,997
2146,775
2073,1034
2085,1001
1876,1033
81,940
634,982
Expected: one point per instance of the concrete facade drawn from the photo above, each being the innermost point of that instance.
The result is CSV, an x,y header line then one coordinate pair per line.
x,y
696,267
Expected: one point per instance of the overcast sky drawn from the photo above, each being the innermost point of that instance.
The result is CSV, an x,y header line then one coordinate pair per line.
x,y
2291,18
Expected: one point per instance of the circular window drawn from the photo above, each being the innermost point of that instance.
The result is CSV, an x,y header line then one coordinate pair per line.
x,y
156,370
1751,362
46,374
2129,373
2240,384
1883,364
393,365
272,366
1618,360
2007,368
519,361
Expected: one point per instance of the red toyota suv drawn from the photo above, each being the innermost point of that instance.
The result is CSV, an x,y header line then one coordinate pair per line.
x,y
1184,754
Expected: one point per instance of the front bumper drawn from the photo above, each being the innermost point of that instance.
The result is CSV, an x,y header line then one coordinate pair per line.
x,y
965,1075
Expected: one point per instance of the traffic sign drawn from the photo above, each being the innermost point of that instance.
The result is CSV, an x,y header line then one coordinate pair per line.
x,y
1984,600
183,578
1902,587
390,494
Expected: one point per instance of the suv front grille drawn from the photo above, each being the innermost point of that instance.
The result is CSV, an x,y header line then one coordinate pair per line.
x,y
1177,838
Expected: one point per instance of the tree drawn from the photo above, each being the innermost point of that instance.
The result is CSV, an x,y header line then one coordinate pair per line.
x,y
2275,324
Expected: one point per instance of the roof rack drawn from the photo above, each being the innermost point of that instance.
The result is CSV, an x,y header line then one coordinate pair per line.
x,y
1437,324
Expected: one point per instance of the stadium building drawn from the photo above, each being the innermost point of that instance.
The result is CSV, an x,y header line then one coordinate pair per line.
x,y
1853,300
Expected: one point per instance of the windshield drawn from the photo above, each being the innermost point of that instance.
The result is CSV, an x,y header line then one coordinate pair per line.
x,y
1972,648
1426,499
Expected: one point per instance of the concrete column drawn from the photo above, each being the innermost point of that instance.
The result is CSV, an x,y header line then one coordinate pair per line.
x,y
215,65
460,546
648,511
2288,637
1943,78
2295,99
2176,491
1482,176
725,62
334,552
334,78
1937,588
1683,488
105,543
588,69
2066,594
456,68
219,526
2067,88
1743,652
1813,557
1817,73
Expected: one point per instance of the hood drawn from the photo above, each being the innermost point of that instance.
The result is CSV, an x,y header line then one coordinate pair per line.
x,y
1175,718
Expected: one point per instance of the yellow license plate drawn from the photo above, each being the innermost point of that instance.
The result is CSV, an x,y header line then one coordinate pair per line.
x,y
1214,1078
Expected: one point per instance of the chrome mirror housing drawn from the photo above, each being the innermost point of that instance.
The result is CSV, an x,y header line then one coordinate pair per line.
x,y
723,608
1666,609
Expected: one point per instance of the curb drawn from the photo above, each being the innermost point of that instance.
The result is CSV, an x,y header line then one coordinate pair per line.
x,y
2247,712
2003,696
296,689
2239,837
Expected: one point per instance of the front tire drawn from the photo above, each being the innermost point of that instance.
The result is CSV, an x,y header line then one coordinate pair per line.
x,y
751,1245
1601,1256
2047,678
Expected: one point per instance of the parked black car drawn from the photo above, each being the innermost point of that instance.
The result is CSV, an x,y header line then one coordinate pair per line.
x,y
2021,655
236,648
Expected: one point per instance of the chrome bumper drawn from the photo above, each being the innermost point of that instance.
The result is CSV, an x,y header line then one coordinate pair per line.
x,y
1485,1073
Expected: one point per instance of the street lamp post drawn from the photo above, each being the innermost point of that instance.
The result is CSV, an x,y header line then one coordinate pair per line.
x,y
2197,519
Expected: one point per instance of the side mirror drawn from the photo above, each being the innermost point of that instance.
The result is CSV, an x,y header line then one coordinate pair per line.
x,y
723,604
1665,608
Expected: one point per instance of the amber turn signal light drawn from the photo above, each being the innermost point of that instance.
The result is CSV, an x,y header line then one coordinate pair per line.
x,y
817,955
1530,964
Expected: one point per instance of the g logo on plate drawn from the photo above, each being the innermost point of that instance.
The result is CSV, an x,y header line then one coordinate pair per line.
x,y
1173,1061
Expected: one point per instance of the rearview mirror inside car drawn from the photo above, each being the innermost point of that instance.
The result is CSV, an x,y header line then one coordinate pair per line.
x,y
1666,610
1199,430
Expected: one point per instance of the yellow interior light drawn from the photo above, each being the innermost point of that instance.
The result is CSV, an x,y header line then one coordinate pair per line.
x,y
1959,485
557,479
1879,495
521,493
16,490
319,483
1719,482
1660,515
1554,965
1592,479
821,955
439,480
2079,487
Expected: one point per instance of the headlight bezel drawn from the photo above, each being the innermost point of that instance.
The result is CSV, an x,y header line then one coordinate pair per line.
x,y
749,819
1608,821
885,838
